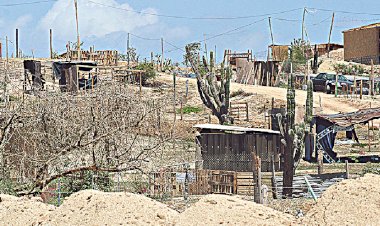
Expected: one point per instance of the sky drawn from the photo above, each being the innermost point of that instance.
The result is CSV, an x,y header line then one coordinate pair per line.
x,y
238,25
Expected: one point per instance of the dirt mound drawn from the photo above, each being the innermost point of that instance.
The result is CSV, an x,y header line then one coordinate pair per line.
x,y
229,210
91,207
350,202
22,211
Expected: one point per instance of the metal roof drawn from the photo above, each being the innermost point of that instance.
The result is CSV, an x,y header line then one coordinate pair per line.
x,y
352,118
374,25
234,128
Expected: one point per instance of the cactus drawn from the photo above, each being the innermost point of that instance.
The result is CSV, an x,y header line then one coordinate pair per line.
x,y
214,95
309,103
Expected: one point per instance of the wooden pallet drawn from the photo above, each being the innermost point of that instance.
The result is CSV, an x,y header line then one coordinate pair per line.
x,y
244,183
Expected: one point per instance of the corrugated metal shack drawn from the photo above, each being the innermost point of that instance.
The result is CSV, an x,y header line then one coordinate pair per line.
x,y
230,147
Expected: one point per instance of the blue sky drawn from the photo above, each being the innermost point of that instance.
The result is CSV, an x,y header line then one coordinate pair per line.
x,y
107,27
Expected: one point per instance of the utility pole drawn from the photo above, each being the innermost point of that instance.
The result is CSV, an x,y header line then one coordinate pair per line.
x,y
162,53
51,44
331,27
271,35
6,48
78,38
128,58
16,42
204,40
303,22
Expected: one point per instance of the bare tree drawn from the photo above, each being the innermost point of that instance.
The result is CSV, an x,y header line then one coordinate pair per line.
x,y
109,129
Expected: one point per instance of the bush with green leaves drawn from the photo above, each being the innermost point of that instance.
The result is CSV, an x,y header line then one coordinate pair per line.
x,y
149,72
190,109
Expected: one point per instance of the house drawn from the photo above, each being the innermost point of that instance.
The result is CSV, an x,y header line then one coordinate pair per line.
x,y
362,44
101,57
279,52
325,48
231,148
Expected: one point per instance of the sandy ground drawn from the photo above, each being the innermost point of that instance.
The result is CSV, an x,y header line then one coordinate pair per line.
x,y
229,210
350,202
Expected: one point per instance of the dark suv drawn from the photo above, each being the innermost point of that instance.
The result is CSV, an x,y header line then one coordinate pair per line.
x,y
326,82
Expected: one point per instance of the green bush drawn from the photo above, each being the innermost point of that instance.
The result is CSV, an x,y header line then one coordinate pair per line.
x,y
7,187
190,109
149,73
371,168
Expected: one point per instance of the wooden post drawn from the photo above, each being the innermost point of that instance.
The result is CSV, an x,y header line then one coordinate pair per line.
x,y
162,54
174,96
347,170
256,165
274,184
77,23
369,139
361,89
140,83
181,109
247,111
372,82
331,27
320,162
128,60
51,44
6,49
1,50
17,43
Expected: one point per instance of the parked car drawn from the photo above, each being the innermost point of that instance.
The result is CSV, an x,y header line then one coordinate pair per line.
x,y
326,82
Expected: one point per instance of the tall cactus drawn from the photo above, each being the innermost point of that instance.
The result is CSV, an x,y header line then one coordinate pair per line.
x,y
289,138
309,103
214,95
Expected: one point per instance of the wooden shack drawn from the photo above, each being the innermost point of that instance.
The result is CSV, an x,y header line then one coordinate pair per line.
x,y
362,44
230,147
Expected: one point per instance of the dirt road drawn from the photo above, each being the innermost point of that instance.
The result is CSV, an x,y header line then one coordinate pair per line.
x,y
330,104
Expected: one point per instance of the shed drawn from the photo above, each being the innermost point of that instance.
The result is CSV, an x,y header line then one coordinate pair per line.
x,y
362,44
327,127
231,147
73,75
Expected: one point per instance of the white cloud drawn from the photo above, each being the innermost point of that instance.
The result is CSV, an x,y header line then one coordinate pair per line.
x,y
94,20
22,21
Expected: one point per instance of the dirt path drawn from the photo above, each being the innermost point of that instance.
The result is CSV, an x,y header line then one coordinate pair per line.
x,y
330,104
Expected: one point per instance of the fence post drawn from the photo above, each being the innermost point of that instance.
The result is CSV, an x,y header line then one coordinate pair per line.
x,y
347,171
256,163
320,162
274,184
59,191
247,111
181,109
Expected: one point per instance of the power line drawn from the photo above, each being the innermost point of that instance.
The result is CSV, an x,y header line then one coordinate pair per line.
x,y
346,12
144,38
27,3
193,18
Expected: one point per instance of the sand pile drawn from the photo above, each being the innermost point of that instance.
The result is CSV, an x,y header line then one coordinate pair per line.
x,y
22,211
350,202
91,207
229,210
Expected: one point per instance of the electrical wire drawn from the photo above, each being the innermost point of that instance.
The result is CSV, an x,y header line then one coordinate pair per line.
x,y
27,3
346,12
194,18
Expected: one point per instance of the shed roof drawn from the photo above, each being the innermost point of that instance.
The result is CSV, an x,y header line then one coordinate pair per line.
x,y
374,25
352,118
234,128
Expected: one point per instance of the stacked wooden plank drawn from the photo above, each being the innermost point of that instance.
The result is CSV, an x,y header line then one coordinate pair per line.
x,y
244,183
